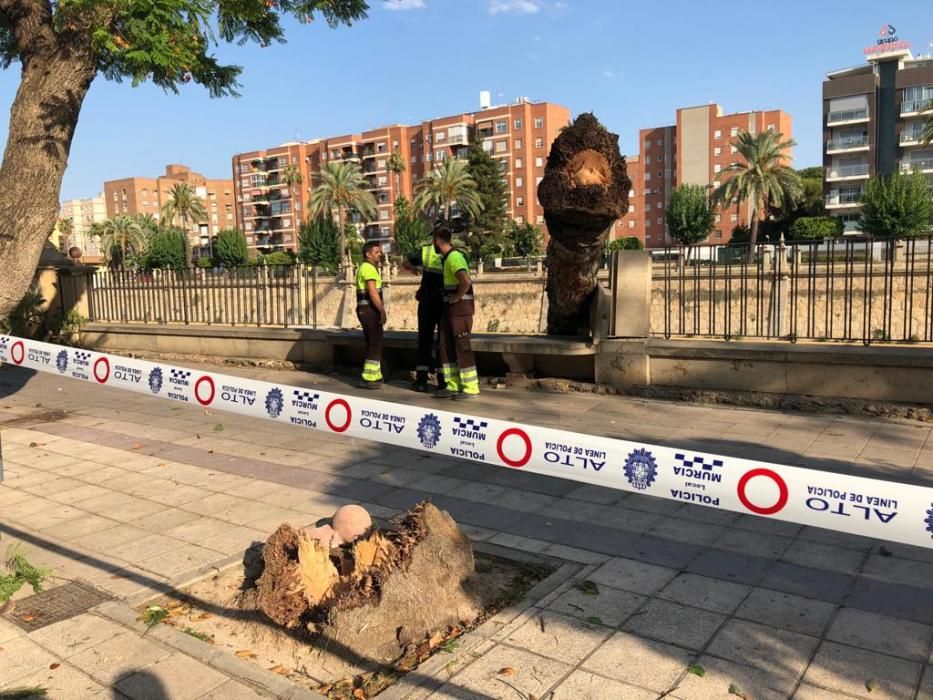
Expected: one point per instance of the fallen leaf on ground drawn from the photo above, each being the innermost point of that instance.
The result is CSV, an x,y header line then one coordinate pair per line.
x,y
33,444
696,670
436,639
325,689
27,618
219,428
246,654
735,690
137,446
507,671
359,694
204,616
210,452
587,587
595,620
54,666
208,412
871,684
281,670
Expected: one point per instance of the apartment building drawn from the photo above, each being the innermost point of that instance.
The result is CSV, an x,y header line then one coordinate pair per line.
x,y
694,150
518,135
872,118
147,195
83,214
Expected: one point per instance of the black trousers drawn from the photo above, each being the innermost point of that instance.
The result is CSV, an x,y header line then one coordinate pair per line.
x,y
373,333
430,312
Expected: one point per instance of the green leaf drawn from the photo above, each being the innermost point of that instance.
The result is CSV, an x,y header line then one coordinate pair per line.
x,y
219,428
696,670
735,690
587,587
871,684
595,620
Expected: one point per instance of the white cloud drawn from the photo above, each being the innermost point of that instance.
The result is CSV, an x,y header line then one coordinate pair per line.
x,y
514,7
609,74
403,4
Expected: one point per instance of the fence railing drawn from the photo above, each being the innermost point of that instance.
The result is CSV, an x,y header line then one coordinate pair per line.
x,y
274,295
850,289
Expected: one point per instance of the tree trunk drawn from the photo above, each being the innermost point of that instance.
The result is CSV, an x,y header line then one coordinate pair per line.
x,y
753,235
189,254
43,117
584,190
344,257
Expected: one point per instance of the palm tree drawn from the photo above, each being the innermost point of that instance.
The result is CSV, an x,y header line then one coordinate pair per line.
x,y
65,229
445,185
186,206
292,178
926,135
396,164
761,178
339,192
119,236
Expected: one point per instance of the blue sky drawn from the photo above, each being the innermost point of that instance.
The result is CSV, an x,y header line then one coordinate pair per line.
x,y
631,63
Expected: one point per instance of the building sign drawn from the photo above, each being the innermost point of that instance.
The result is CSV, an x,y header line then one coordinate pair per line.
x,y
887,41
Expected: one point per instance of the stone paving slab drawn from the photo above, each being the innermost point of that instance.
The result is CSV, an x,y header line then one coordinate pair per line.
x,y
137,495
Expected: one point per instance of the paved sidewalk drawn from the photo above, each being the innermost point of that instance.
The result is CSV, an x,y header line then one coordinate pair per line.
x,y
136,495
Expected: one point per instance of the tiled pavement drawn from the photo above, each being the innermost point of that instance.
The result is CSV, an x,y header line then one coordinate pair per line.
x,y
135,493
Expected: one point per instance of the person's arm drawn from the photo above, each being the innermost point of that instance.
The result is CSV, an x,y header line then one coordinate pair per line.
x,y
464,278
376,300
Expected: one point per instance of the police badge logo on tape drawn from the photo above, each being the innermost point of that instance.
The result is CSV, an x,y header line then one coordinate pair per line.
x,y
61,361
274,402
929,520
429,431
641,469
155,380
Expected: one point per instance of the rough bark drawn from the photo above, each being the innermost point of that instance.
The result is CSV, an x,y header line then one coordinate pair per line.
x,y
584,190
57,71
396,587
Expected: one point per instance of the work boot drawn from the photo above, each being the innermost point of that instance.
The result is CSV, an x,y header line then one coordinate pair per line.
x,y
463,396
444,393
420,385
364,384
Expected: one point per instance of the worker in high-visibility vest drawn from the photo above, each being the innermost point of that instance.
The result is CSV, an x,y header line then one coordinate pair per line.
x,y
430,298
372,313
458,362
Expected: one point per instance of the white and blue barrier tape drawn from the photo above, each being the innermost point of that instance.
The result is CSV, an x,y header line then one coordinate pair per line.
x,y
856,505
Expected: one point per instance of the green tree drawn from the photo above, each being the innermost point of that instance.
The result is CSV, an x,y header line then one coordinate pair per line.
x,y
279,257
167,250
445,186
488,226
760,177
319,243
808,228
411,229
185,206
62,45
339,193
689,215
396,164
121,240
524,239
292,178
896,205
230,248
627,243
148,223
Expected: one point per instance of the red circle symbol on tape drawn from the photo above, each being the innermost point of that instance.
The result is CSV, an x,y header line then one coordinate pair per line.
x,y
333,426
523,460
197,390
763,510
18,345
97,374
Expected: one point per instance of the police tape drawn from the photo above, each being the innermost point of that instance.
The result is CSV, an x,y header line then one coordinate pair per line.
x,y
856,505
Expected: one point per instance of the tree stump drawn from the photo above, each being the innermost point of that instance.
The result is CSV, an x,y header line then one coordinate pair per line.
x,y
376,596
584,190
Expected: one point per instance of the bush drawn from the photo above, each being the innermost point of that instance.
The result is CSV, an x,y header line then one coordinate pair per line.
x,y
25,320
627,243
524,239
205,262
166,250
808,228
280,257
318,243
230,248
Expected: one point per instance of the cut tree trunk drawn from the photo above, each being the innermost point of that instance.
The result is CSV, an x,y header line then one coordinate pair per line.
x,y
380,594
56,74
584,190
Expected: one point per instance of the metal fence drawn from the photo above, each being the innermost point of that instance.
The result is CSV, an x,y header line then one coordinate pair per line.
x,y
848,289
274,295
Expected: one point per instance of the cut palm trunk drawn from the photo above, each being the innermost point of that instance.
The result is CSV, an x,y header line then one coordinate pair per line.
x,y
377,595
584,190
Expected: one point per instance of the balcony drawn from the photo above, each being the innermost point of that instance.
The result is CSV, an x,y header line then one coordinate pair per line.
x,y
849,116
844,144
847,172
836,200
911,137
923,164
916,106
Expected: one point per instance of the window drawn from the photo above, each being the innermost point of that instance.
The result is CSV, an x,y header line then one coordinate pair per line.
x,y
647,144
647,175
539,162
383,214
734,131
519,219
771,127
660,173
518,143
733,150
539,219
519,162
659,142
717,151
631,208
502,146
647,160
539,122
518,123
502,126
428,157
394,143
414,159
538,180
631,223
733,218
717,168
716,183
519,201
440,137
659,205
647,222
539,142
660,220
718,234
717,134
718,218
631,193
383,180
519,182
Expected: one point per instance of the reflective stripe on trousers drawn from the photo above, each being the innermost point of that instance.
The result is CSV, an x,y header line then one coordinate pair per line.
x,y
452,376
372,371
469,380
